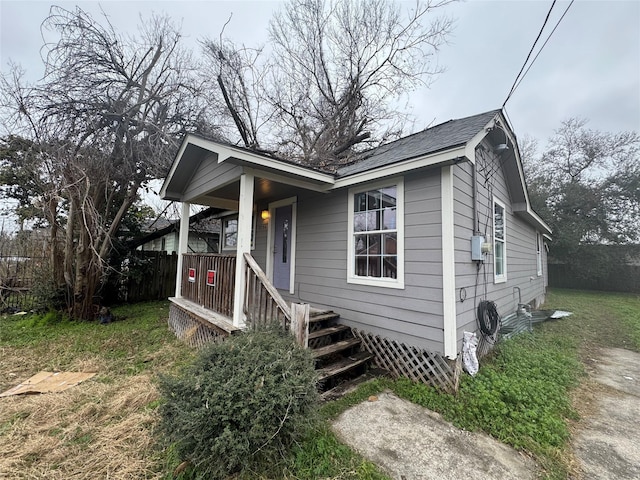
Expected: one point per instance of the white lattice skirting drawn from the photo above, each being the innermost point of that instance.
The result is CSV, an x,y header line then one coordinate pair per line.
x,y
190,329
407,361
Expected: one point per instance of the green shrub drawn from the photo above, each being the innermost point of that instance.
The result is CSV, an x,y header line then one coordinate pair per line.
x,y
242,401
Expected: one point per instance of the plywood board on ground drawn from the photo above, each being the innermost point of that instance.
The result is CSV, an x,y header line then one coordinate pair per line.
x,y
46,382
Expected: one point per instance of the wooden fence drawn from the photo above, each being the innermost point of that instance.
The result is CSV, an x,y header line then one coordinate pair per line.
x,y
152,276
23,280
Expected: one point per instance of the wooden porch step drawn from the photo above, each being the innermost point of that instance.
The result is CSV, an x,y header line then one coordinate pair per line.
x,y
344,365
335,347
328,331
322,317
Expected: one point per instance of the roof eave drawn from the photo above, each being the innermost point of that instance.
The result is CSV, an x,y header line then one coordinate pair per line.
x,y
174,166
531,217
228,153
450,155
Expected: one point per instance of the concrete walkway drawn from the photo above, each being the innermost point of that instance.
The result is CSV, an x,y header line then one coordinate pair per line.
x,y
608,442
409,442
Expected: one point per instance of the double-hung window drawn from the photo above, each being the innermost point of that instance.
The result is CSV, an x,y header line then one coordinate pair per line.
x,y
376,235
499,242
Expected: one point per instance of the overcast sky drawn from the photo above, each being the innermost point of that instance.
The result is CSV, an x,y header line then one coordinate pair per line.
x,y
590,68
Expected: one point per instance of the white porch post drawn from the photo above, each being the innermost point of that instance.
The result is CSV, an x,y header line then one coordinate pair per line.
x,y
243,245
183,243
448,264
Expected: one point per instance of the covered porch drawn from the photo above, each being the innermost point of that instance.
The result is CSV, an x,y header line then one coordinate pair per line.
x,y
256,201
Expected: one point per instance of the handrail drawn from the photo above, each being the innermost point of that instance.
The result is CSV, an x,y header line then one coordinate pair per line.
x,y
268,286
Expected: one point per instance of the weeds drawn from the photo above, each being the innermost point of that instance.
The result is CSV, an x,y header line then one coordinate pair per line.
x,y
521,395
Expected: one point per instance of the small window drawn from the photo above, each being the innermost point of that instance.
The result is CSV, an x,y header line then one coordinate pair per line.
x,y
376,236
499,242
539,253
230,233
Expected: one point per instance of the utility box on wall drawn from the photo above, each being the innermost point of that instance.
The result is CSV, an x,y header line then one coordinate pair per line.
x,y
476,248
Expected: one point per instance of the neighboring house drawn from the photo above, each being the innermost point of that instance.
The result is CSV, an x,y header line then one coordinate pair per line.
x,y
162,234
385,241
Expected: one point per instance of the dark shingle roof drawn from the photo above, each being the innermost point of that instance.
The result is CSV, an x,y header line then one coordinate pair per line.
x,y
447,135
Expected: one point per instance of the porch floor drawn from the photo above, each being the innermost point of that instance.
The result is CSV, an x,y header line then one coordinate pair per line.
x,y
217,320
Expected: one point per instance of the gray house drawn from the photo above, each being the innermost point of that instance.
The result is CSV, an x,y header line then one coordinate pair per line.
x,y
403,243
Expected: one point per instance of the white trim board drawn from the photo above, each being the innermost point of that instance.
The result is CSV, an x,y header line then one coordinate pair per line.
x,y
450,328
293,201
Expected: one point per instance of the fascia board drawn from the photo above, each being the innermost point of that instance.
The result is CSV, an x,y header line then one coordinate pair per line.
x,y
529,211
294,181
525,211
170,196
470,149
539,220
174,166
400,167
227,153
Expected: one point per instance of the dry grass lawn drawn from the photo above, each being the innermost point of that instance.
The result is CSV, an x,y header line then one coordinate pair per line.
x,y
101,428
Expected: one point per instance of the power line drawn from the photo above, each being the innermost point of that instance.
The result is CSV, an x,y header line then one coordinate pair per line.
x,y
515,82
539,51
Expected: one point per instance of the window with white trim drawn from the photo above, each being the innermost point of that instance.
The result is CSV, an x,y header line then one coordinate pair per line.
x,y
539,253
230,232
499,242
376,235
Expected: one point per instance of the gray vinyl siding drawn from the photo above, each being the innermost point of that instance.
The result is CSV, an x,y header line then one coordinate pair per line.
x,y
412,315
210,175
521,263
259,253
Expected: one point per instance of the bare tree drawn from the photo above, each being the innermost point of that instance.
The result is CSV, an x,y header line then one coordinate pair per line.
x,y
240,81
107,117
585,185
576,153
336,72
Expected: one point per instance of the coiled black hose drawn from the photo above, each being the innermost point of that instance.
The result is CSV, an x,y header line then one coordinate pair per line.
x,y
488,318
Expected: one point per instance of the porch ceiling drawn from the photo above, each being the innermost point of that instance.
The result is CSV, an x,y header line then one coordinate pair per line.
x,y
265,191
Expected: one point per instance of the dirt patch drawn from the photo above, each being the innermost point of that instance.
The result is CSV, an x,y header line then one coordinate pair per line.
x,y
606,441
